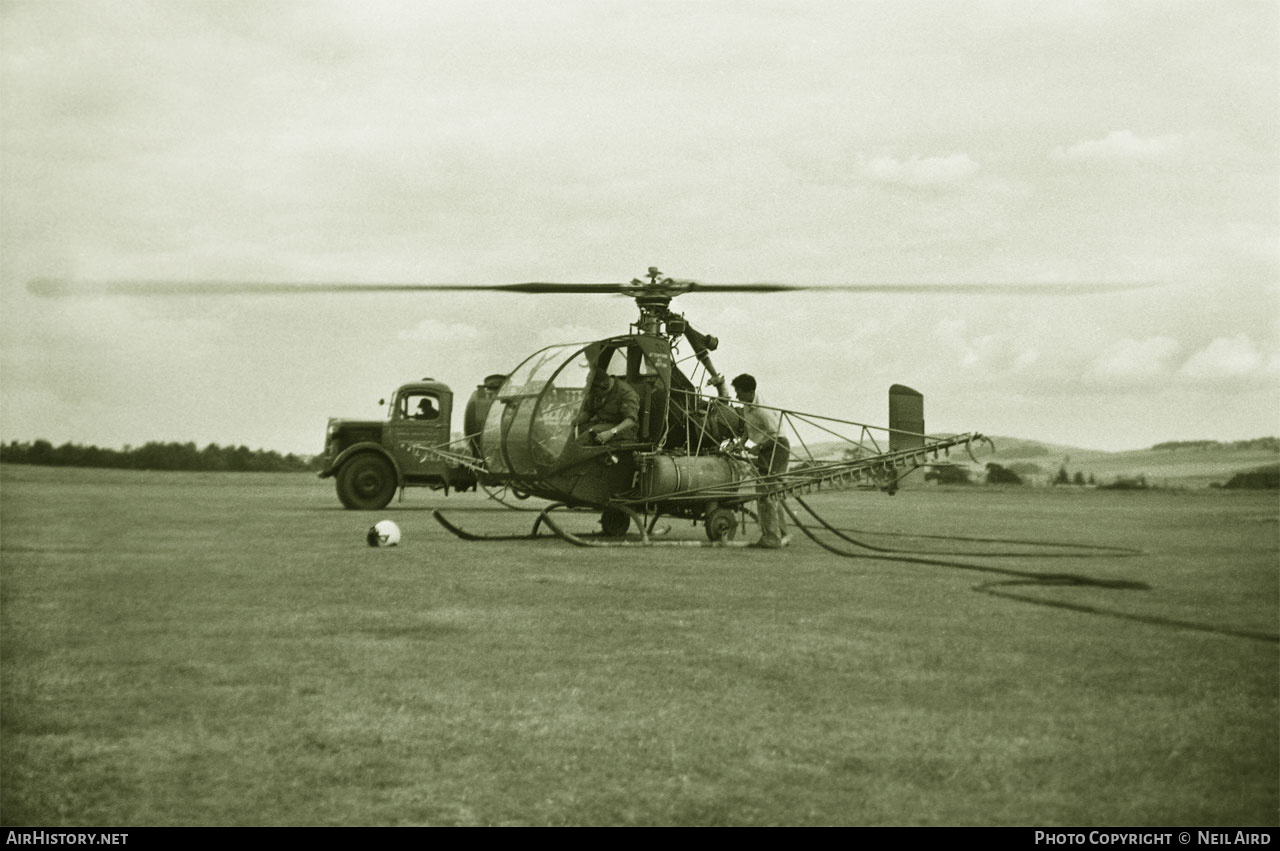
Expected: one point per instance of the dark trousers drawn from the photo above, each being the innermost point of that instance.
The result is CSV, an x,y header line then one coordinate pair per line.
x,y
771,462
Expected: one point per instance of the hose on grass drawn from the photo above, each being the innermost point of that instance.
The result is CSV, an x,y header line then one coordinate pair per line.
x,y
1019,578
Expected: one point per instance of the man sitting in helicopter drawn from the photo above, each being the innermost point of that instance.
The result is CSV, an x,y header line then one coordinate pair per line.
x,y
610,411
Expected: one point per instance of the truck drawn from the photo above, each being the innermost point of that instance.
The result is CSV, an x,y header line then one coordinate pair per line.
x,y
369,460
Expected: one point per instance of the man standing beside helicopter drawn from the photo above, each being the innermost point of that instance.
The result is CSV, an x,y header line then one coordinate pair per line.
x,y
772,451
611,409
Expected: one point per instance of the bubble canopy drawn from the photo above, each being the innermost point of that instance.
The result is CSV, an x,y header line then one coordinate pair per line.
x,y
532,420
529,430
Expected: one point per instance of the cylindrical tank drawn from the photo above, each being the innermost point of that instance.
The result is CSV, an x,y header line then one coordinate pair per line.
x,y
478,409
667,476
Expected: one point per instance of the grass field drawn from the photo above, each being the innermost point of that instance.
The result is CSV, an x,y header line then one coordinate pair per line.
x,y
219,649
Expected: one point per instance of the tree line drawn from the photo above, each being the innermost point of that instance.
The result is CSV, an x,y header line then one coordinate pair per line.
x,y
157,456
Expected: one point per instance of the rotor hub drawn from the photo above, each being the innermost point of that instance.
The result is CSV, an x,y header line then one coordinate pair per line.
x,y
653,297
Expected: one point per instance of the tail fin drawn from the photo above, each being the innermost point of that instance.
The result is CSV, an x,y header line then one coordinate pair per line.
x,y
906,414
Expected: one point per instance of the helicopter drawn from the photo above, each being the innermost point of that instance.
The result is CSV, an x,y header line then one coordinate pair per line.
x,y
689,456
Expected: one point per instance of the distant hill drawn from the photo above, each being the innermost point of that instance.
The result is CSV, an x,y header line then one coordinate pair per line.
x,y
1171,464
1011,448
1174,464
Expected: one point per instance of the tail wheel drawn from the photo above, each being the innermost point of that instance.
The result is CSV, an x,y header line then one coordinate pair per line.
x,y
366,482
721,524
615,522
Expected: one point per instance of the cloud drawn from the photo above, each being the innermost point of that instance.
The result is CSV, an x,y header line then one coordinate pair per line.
x,y
1001,352
435,331
1224,359
567,334
790,142
1119,145
1130,360
920,171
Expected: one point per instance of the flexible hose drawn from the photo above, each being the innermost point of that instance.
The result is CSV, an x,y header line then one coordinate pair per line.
x,y
1031,578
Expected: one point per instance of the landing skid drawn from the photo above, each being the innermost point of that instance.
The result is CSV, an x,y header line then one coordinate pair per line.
x,y
471,536
644,541
543,517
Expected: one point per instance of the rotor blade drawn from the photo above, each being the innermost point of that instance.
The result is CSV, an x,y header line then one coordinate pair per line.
x,y
1046,288
61,288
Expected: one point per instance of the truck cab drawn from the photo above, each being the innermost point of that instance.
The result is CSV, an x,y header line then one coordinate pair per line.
x,y
370,459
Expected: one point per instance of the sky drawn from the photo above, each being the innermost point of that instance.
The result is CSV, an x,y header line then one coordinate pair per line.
x,y
497,142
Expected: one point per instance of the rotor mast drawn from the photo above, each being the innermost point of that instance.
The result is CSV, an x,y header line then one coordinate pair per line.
x,y
658,320
653,297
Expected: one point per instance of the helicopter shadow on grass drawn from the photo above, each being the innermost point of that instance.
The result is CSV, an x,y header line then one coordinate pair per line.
x,y
1024,578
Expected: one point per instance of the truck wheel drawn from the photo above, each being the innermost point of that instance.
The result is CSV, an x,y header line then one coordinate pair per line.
x,y
366,482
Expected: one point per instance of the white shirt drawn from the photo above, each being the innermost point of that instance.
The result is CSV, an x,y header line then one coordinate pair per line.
x,y
761,424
